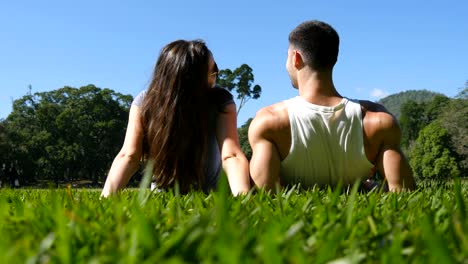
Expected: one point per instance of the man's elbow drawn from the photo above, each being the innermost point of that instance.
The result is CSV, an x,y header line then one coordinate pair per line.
x,y
408,184
260,180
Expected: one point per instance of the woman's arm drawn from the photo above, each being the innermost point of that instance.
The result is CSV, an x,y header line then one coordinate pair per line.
x,y
127,161
235,163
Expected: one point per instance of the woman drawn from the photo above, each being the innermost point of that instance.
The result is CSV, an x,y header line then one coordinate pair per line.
x,y
184,125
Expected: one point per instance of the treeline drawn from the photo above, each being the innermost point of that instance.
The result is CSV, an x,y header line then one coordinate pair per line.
x,y
73,134
435,136
64,135
394,102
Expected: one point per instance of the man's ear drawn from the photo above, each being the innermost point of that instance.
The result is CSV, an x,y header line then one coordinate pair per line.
x,y
297,60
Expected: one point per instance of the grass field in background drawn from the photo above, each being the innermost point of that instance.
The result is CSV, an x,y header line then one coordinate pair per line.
x,y
314,226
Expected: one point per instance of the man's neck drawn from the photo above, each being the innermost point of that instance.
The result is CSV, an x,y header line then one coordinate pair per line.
x,y
318,88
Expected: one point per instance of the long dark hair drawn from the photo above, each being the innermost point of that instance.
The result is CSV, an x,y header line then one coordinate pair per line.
x,y
175,115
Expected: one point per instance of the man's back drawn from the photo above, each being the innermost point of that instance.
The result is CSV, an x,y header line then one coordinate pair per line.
x,y
270,135
327,144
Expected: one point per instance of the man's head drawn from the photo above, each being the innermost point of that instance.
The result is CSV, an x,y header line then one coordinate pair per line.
x,y
317,44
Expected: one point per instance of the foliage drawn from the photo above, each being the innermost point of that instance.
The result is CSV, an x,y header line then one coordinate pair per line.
x,y
431,156
463,94
411,122
243,132
454,119
3,142
240,80
415,116
435,107
452,116
66,133
320,226
3,150
394,102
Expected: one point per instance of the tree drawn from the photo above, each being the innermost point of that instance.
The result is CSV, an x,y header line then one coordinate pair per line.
x,y
67,133
243,132
454,119
3,142
4,150
435,107
463,94
394,102
412,120
241,80
415,116
432,155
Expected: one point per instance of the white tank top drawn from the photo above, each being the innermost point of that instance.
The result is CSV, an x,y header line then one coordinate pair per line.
x,y
327,144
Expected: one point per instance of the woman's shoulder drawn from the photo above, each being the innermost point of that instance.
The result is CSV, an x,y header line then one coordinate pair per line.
x,y
138,100
221,97
220,94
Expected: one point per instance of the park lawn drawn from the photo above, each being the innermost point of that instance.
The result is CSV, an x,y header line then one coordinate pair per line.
x,y
293,226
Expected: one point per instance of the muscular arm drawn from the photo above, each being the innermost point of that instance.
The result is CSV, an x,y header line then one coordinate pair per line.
x,y
391,162
128,159
265,162
235,163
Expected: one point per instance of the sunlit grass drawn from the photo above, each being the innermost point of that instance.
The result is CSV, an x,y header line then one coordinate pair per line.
x,y
314,226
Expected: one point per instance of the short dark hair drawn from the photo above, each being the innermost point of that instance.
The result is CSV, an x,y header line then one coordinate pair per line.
x,y
318,42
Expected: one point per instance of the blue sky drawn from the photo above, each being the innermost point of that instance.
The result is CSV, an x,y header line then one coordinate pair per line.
x,y
386,46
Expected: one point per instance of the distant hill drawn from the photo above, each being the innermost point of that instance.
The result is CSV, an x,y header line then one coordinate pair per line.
x,y
393,102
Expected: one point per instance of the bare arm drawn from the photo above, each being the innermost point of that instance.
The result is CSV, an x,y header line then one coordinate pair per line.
x,y
127,161
235,163
391,161
265,162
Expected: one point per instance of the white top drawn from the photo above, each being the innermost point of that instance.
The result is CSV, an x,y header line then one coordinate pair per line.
x,y
327,144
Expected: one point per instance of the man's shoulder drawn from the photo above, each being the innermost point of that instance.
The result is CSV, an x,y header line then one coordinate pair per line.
x,y
373,106
272,110
273,113
270,119
377,119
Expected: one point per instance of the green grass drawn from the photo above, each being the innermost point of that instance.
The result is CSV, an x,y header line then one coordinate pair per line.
x,y
315,226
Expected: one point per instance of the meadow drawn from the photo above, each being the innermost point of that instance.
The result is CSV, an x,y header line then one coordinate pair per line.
x,y
290,226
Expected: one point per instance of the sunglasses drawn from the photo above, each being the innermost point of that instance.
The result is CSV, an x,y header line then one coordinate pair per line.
x,y
215,70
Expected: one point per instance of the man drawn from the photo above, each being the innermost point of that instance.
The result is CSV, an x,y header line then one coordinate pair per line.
x,y
319,137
